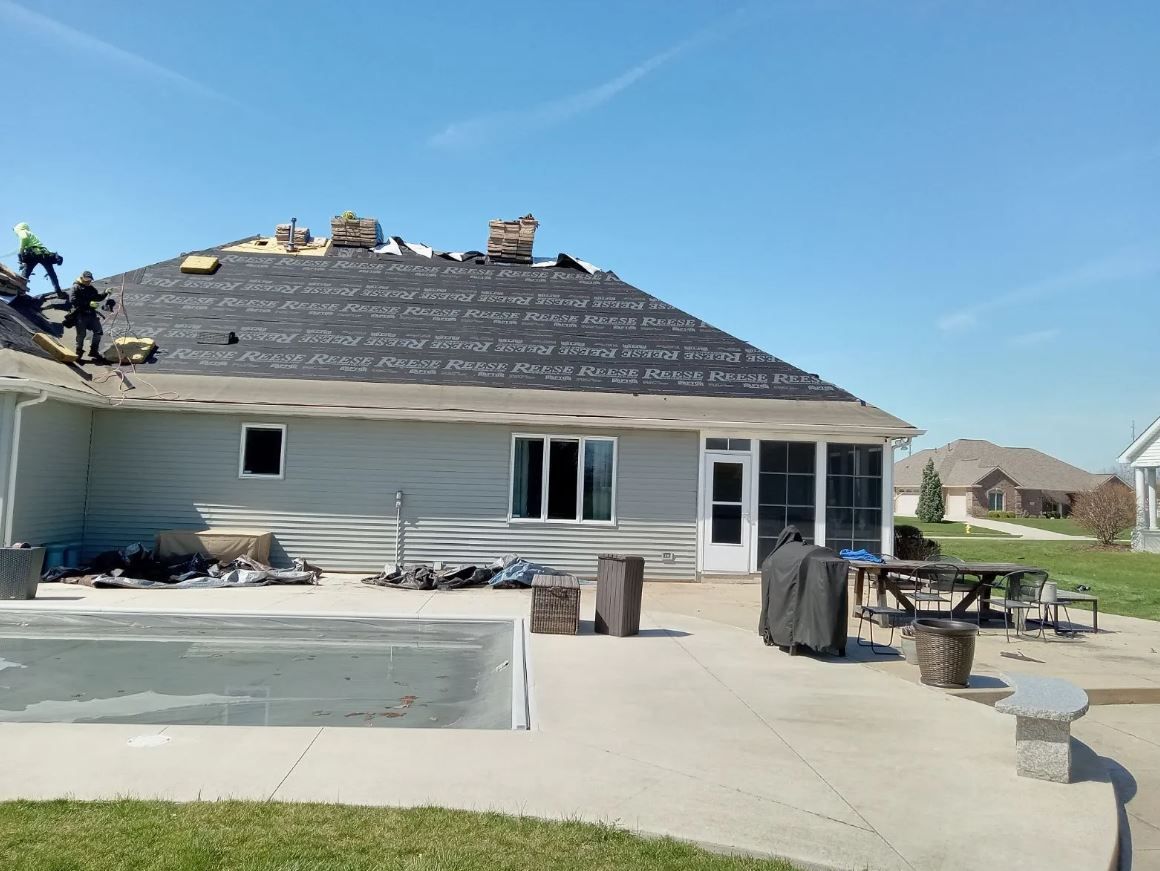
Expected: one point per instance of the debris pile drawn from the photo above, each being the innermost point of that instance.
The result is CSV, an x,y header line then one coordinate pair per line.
x,y
137,567
506,572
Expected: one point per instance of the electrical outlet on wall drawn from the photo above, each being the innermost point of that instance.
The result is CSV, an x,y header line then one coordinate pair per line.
x,y
668,556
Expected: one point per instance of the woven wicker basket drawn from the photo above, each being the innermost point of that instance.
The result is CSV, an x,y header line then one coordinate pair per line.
x,y
946,651
555,604
20,571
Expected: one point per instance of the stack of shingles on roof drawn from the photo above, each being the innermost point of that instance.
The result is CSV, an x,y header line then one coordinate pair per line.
x,y
301,234
11,283
355,232
511,241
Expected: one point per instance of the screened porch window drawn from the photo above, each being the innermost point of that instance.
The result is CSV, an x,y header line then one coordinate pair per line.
x,y
854,497
563,478
785,492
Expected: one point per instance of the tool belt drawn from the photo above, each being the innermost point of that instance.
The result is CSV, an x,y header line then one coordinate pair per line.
x,y
41,255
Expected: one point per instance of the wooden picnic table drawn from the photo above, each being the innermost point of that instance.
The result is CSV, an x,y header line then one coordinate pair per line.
x,y
979,589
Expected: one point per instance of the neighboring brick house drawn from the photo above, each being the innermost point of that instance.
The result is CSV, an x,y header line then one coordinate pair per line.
x,y
979,476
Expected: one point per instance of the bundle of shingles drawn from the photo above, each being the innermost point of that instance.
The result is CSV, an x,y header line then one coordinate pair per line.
x,y
282,235
11,283
511,241
348,232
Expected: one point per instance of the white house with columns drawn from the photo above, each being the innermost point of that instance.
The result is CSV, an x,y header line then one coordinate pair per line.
x,y
1143,456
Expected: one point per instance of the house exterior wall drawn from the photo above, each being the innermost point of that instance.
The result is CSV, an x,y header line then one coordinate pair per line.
x,y
52,476
335,505
978,503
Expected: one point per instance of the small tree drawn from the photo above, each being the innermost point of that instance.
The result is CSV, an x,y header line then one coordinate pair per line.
x,y
1105,512
930,498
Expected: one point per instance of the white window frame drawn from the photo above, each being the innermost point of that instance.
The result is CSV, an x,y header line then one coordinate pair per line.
x,y
242,473
546,472
1002,498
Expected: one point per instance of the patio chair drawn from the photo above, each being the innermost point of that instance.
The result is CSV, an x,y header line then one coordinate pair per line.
x,y
1021,593
892,617
931,581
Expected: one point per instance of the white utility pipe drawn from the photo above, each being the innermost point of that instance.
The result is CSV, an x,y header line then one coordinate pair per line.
x,y
14,462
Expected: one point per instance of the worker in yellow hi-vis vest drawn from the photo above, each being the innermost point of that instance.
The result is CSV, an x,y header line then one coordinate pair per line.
x,y
33,253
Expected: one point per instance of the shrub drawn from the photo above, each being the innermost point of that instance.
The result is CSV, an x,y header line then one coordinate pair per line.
x,y
1104,512
909,543
930,498
1002,515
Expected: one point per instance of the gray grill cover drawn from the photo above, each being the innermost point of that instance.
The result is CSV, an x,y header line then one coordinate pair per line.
x,y
803,596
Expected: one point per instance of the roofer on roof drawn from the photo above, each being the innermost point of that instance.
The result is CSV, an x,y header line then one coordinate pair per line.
x,y
85,314
33,254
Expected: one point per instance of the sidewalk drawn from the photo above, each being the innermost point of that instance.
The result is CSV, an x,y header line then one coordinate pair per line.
x,y
1029,533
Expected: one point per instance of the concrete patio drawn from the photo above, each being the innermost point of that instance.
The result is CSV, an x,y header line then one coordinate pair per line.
x,y
693,729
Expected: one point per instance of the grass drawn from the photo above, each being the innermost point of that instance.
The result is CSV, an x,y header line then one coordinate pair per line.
x,y
947,527
251,836
1065,525
1126,583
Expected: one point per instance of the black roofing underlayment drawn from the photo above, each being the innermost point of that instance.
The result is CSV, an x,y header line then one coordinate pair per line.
x,y
16,333
359,316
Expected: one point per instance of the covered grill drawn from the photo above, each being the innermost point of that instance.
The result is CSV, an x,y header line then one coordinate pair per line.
x,y
803,596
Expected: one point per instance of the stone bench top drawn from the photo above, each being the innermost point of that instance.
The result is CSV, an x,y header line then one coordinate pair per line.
x,y
1043,698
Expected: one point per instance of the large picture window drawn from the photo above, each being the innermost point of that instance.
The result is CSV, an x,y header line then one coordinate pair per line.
x,y
563,478
785,492
854,497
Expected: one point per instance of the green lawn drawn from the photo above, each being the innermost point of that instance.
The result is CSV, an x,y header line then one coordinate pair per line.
x,y
248,836
947,527
1126,583
1066,525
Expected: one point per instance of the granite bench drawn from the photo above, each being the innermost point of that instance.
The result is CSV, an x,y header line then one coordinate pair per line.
x,y
1044,708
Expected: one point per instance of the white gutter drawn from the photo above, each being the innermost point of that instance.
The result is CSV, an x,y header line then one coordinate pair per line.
x,y
14,462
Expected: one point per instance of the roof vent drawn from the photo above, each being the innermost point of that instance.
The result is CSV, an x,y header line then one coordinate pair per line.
x,y
511,241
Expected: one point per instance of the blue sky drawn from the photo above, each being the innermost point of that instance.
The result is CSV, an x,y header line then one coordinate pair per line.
x,y
951,209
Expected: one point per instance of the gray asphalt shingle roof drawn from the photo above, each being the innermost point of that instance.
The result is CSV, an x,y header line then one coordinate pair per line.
x,y
964,462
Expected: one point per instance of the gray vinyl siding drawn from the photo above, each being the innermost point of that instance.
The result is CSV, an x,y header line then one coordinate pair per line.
x,y
335,505
52,474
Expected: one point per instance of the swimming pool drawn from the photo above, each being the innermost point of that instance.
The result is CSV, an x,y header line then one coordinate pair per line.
x,y
261,670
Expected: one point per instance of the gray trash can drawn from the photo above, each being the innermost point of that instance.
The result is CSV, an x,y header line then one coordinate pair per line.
x,y
619,587
20,571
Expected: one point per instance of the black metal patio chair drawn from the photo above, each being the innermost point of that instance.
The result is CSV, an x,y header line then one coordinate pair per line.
x,y
1021,593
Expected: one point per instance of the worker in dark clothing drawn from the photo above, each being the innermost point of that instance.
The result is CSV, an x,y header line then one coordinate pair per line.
x,y
85,314
33,254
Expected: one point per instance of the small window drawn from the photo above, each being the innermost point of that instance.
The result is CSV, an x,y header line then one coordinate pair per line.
x,y
995,500
563,478
720,444
263,451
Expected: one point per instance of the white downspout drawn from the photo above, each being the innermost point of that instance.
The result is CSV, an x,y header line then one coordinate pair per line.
x,y
14,463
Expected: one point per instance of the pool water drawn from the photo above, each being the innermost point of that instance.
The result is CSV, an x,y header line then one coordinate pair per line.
x,y
257,670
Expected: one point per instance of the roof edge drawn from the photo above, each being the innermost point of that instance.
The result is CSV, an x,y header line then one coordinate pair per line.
x,y
299,397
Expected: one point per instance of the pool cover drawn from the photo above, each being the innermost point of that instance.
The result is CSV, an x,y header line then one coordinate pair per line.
x,y
255,670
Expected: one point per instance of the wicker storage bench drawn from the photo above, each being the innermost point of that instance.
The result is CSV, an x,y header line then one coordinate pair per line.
x,y
555,604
